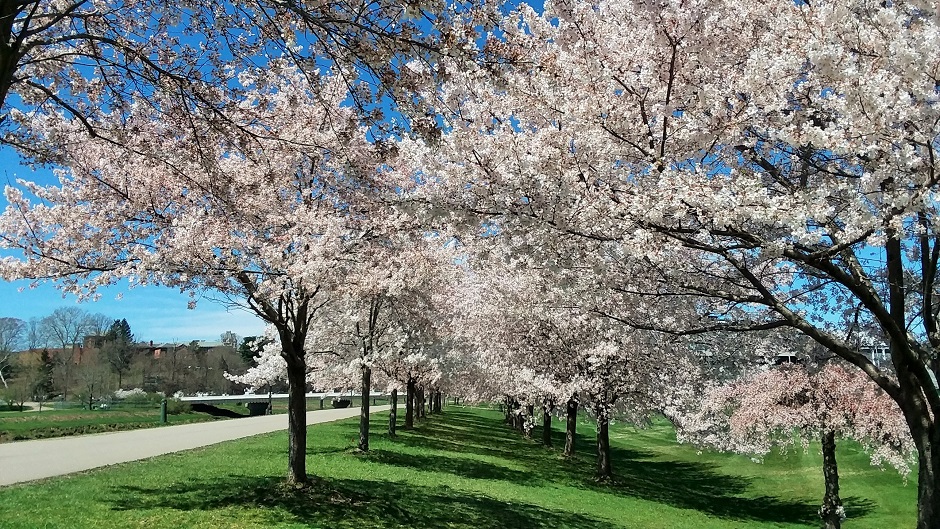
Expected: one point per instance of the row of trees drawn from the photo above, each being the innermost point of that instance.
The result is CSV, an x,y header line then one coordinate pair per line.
x,y
613,177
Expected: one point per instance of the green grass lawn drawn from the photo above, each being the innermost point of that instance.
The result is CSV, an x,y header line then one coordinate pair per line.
x,y
462,470
16,426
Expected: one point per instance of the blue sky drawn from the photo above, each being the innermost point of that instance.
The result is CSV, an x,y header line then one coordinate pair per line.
x,y
154,313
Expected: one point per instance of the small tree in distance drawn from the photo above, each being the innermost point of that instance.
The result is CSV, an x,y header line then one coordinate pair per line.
x,y
44,377
118,348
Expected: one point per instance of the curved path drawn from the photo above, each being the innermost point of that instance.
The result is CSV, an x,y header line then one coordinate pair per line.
x,y
29,460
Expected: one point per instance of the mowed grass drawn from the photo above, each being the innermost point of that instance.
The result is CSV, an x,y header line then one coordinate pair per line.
x,y
15,426
463,470
18,426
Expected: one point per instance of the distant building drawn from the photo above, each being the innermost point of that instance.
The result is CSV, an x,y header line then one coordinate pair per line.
x,y
875,348
161,350
786,358
879,354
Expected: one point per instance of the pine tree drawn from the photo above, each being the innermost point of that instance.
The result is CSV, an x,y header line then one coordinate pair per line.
x,y
118,348
44,377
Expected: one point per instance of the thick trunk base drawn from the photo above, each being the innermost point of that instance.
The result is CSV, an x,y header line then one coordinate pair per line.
x,y
928,481
296,423
604,471
571,426
364,409
831,511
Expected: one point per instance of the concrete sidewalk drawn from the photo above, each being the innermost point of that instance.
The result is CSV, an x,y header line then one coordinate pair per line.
x,y
31,460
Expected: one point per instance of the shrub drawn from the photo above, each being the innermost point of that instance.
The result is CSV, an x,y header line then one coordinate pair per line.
x,y
176,407
135,393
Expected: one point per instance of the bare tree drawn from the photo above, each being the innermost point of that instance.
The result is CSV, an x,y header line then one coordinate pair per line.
x,y
65,327
12,332
34,336
98,324
92,382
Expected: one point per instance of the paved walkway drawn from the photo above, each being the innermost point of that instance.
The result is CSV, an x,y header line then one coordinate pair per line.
x,y
29,460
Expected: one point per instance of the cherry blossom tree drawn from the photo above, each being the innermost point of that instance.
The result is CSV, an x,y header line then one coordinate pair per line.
x,y
415,365
504,319
775,161
260,210
790,405
384,298
542,342
390,333
87,58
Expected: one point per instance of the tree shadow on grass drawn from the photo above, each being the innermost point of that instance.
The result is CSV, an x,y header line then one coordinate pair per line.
x,y
638,473
468,436
349,504
459,466
698,486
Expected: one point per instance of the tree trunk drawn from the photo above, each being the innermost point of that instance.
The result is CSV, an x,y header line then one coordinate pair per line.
x,y
603,449
918,390
393,413
421,402
571,414
364,408
927,483
928,477
410,405
529,421
547,424
831,511
296,419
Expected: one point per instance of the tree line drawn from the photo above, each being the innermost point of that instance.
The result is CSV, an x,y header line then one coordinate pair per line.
x,y
73,352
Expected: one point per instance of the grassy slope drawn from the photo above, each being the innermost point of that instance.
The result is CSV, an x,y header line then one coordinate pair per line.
x,y
463,470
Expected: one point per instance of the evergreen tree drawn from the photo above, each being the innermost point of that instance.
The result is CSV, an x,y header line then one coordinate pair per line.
x,y
120,331
44,377
250,347
118,348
